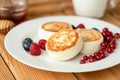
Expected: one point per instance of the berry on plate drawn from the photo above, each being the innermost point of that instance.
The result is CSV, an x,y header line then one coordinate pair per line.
x,y
81,26
42,43
73,27
35,49
26,43
95,29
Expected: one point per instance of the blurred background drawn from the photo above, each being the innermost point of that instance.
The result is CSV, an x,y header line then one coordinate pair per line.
x,y
15,10
39,8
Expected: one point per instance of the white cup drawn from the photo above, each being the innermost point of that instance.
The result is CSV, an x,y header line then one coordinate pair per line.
x,y
90,8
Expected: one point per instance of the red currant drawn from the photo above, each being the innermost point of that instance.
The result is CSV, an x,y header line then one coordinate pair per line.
x,y
117,35
96,53
85,57
82,62
109,38
112,46
91,60
98,57
110,33
102,56
104,44
105,29
81,26
90,56
103,47
102,51
104,34
110,50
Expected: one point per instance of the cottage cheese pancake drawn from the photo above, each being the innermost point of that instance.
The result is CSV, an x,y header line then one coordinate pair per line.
x,y
47,29
92,40
64,45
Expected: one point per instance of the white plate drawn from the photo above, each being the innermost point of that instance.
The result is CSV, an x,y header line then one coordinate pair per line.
x,y
13,44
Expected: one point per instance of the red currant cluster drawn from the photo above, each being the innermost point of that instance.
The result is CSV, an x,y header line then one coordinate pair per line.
x,y
107,47
109,43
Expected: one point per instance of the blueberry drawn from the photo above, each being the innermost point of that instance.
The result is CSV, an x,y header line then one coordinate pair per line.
x,y
73,27
28,40
95,29
26,46
26,43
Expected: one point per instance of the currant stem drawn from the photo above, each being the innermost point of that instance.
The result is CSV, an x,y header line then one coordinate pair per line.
x,y
110,43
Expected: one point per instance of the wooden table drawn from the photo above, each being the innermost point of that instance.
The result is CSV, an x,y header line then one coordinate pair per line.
x,y
11,69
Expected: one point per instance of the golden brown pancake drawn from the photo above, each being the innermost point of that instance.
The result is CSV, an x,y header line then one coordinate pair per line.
x,y
62,40
89,35
47,29
64,45
55,26
92,40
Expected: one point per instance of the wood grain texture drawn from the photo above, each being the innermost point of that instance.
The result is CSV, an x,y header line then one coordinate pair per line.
x,y
112,17
46,1
5,74
40,8
107,74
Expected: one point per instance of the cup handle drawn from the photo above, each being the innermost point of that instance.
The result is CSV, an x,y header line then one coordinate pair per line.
x,y
113,3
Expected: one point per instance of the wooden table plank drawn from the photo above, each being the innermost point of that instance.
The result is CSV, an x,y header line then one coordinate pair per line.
x,y
112,17
5,74
24,72
47,8
31,2
107,74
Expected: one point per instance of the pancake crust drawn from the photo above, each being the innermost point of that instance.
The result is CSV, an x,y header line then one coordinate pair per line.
x,y
89,35
62,40
91,39
49,28
55,26
64,45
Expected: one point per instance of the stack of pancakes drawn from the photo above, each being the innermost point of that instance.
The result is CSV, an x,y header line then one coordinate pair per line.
x,y
64,42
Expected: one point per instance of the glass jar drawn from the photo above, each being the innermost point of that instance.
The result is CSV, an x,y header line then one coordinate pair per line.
x,y
15,10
